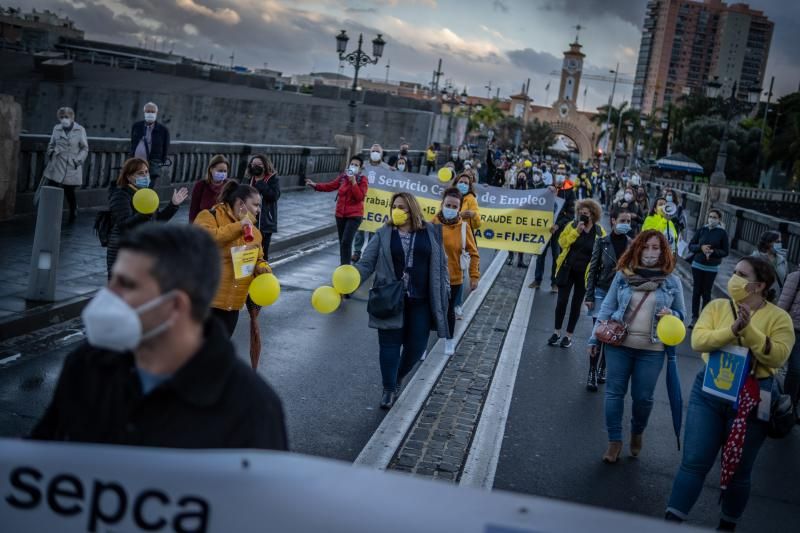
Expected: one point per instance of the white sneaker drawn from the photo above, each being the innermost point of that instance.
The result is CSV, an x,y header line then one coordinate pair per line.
x,y
459,312
449,346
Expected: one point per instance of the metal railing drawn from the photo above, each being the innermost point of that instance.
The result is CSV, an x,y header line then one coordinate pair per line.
x,y
750,193
189,160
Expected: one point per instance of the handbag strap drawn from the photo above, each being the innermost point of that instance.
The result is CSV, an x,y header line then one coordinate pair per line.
x,y
463,237
641,303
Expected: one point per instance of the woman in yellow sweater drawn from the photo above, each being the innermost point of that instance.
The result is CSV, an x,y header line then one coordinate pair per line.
x,y
458,239
465,183
767,332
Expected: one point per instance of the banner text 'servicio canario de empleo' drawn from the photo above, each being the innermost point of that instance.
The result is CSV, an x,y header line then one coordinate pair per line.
x,y
513,220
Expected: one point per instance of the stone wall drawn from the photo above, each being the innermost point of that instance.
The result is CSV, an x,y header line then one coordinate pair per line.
x,y
107,101
10,123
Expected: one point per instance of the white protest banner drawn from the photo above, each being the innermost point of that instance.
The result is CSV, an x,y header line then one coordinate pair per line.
x,y
518,221
65,488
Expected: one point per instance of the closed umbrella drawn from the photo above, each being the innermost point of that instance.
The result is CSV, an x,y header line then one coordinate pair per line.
x,y
674,392
749,396
255,333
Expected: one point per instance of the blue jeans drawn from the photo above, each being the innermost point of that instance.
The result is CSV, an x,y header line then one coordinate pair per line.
x,y
708,423
459,296
552,245
641,368
412,338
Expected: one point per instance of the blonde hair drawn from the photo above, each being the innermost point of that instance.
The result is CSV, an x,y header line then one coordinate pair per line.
x,y
415,216
593,207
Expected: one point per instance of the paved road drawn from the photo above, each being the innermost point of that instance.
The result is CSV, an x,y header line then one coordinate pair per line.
x,y
555,437
324,368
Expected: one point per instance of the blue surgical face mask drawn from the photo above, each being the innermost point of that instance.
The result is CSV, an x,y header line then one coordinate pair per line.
x,y
219,175
143,182
622,228
449,213
463,188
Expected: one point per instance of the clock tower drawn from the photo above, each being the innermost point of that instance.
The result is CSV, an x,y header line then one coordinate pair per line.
x,y
571,70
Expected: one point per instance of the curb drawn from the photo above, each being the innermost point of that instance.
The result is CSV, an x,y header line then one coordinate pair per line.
x,y
46,315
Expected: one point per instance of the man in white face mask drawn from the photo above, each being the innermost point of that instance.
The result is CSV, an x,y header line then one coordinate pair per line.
x,y
156,369
150,141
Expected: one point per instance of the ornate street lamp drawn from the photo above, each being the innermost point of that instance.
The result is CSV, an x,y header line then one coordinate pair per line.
x,y
358,59
718,176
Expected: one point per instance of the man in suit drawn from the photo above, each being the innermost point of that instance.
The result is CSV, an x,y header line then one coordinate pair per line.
x,y
150,141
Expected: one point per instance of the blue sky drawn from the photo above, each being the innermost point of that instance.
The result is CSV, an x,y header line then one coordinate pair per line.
x,y
506,41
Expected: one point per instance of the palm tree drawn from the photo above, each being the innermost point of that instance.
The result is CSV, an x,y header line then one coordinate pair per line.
x,y
628,115
488,116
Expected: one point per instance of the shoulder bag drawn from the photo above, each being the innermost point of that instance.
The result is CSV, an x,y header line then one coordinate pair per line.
x,y
386,301
613,333
465,257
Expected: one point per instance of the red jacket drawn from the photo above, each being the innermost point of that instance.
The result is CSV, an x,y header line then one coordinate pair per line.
x,y
350,202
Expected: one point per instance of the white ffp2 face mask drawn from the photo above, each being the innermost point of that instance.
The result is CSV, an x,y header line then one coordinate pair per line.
x,y
150,117
375,156
112,324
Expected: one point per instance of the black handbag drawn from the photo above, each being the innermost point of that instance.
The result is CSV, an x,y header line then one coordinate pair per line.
x,y
781,416
386,301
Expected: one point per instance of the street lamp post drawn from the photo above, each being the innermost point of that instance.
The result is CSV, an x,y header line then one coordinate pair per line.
x,y
450,95
615,72
642,125
358,59
718,176
469,105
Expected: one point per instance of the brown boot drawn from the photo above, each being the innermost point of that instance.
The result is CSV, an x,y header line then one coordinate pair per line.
x,y
612,454
636,444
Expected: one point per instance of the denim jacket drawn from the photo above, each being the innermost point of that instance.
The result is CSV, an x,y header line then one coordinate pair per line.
x,y
669,294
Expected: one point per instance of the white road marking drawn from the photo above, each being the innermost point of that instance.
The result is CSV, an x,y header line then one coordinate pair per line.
x,y
302,253
388,437
484,453
10,359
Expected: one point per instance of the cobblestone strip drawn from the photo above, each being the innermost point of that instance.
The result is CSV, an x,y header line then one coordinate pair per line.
x,y
438,442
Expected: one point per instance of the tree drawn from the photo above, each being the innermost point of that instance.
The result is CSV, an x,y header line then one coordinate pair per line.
x,y
533,136
488,116
784,150
629,115
701,139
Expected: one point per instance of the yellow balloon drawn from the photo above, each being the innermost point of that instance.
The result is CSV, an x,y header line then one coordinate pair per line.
x,y
445,174
671,330
326,300
528,164
265,290
145,201
346,279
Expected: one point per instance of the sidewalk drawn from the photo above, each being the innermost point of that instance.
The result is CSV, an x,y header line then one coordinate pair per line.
x,y
726,269
302,215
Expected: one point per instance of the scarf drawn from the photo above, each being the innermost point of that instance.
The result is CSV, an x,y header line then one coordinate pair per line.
x,y
448,222
644,279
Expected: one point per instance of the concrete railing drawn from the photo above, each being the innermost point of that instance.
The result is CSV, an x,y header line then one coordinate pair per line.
x,y
189,160
749,193
744,226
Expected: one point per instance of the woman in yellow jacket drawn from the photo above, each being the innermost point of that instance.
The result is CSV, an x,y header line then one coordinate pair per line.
x,y
572,266
457,238
231,224
659,221
470,212
766,330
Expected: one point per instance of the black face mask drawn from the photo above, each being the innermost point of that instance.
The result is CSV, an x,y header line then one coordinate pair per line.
x,y
404,152
256,170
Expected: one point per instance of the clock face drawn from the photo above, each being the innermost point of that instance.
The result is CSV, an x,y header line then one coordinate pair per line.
x,y
563,110
573,65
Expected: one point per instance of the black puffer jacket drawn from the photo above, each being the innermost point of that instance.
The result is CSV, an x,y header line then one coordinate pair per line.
x,y
124,218
719,241
603,266
270,190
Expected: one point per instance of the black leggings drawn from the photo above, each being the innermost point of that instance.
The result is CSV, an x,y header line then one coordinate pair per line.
x,y
451,310
346,227
266,238
576,279
229,319
701,288
69,194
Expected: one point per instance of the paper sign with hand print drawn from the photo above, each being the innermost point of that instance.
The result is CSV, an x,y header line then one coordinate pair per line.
x,y
725,372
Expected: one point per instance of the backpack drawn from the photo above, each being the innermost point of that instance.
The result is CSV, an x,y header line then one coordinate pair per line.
x,y
102,227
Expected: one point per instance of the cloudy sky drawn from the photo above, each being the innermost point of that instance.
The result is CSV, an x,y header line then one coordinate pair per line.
x,y
502,41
